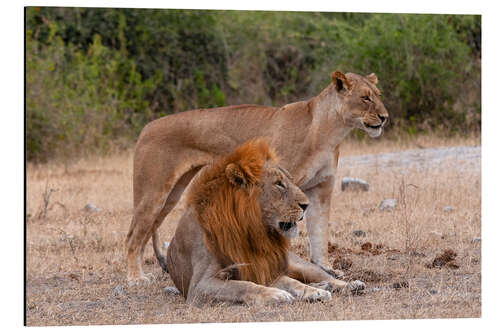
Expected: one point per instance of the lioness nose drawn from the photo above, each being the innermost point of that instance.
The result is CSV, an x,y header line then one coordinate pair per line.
x,y
303,206
382,118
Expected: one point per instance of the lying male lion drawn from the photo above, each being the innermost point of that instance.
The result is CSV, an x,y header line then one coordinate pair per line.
x,y
171,150
232,242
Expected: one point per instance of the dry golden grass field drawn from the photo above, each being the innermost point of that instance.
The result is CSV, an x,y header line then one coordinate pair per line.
x,y
75,259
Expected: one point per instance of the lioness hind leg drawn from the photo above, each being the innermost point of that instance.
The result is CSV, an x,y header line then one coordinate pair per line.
x,y
317,217
140,232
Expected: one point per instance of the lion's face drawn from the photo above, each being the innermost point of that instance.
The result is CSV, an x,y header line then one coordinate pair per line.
x,y
282,202
363,103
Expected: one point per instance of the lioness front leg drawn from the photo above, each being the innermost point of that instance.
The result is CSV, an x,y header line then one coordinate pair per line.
x,y
317,217
302,291
309,273
236,291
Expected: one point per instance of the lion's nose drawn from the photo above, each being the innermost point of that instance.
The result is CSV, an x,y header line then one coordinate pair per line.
x,y
382,118
303,206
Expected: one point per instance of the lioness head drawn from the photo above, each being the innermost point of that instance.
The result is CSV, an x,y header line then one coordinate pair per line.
x,y
282,203
363,107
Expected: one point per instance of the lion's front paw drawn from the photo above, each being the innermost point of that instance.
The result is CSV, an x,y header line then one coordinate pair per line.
x,y
357,286
274,296
139,280
281,296
316,294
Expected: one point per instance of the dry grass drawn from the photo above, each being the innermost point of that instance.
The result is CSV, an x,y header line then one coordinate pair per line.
x,y
75,259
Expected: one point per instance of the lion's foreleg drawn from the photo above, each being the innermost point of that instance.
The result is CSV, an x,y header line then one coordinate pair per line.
x,y
235,291
309,273
302,291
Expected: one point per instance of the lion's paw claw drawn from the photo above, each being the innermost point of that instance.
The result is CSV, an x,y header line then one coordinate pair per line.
x,y
319,295
357,286
280,296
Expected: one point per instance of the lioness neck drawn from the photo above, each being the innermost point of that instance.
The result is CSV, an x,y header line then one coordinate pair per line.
x,y
328,126
321,125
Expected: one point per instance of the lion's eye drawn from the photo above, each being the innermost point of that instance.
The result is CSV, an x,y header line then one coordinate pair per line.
x,y
279,183
367,98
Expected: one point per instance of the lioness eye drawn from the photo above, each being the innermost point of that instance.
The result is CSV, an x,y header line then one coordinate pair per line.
x,y
367,98
279,183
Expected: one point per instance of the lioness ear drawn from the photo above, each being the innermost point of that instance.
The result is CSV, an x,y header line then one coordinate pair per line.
x,y
372,78
235,175
340,81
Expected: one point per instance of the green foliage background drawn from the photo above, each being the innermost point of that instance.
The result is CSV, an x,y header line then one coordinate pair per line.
x,y
95,77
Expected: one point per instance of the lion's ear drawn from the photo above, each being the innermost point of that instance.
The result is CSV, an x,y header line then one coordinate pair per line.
x,y
235,175
340,81
372,78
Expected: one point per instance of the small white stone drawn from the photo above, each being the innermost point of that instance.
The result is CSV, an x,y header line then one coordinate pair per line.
x,y
388,204
171,291
90,208
448,209
437,234
119,291
354,184
476,239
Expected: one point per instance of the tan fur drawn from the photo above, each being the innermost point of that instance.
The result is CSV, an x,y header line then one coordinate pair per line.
x,y
228,246
171,151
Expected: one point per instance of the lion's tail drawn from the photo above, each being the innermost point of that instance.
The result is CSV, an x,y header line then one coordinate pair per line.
x,y
162,260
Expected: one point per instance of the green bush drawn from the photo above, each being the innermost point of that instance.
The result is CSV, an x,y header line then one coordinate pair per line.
x,y
96,76
80,102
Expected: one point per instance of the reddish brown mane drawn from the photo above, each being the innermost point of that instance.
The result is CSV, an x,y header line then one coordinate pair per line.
x,y
230,215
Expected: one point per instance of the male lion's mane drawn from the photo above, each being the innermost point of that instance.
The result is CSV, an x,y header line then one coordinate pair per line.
x,y
226,201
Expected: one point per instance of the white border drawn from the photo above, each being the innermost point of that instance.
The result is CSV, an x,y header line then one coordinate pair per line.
x,y
12,89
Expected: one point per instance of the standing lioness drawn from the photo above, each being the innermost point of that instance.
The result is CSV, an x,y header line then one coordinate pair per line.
x,y
306,135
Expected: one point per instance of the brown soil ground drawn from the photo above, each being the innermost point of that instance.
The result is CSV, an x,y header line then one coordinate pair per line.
x,y
420,260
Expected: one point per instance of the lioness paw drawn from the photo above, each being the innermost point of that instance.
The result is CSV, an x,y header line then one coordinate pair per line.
x,y
335,273
338,274
144,279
